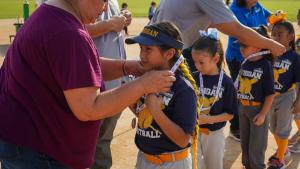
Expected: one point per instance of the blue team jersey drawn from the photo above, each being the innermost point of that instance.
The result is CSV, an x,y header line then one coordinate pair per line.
x,y
226,102
286,71
256,80
253,17
180,107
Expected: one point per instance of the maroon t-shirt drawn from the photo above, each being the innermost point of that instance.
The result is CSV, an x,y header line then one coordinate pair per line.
x,y
51,53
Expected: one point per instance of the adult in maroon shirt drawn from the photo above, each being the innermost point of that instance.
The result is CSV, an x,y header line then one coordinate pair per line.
x,y
52,96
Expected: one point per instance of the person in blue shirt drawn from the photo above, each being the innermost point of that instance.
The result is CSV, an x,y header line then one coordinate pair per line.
x,y
166,121
151,10
218,99
251,14
255,85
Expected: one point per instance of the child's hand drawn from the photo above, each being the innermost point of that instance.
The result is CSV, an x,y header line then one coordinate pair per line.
x,y
296,107
153,103
259,119
204,119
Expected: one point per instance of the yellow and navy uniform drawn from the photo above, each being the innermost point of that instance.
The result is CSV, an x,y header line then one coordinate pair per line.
x,y
226,101
180,105
256,81
286,72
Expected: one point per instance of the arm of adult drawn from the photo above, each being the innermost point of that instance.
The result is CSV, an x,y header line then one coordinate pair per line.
x,y
113,69
248,36
75,66
224,20
89,103
114,24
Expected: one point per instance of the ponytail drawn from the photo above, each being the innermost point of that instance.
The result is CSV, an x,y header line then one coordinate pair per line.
x,y
185,70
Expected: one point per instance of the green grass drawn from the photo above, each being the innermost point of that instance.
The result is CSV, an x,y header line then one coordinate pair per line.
x,y
139,8
14,8
290,7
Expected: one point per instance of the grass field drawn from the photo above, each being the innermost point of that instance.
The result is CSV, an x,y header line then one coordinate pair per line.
x,y
139,8
14,8
291,7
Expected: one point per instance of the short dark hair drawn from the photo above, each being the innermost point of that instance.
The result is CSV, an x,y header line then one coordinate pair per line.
x,y
153,3
124,5
241,3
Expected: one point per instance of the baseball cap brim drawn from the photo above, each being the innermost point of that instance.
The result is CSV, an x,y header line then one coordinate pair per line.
x,y
143,40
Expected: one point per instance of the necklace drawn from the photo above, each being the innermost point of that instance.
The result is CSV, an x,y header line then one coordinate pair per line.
x,y
236,82
201,89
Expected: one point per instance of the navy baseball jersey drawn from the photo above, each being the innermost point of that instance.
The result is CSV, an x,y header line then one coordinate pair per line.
x,y
256,80
180,105
226,101
286,71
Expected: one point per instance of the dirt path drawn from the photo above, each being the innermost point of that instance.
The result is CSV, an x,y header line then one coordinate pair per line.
x,y
123,149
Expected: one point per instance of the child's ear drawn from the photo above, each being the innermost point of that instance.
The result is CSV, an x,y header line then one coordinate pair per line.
x,y
169,54
216,58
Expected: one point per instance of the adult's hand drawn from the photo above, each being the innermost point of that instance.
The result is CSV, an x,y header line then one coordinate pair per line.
x,y
128,17
114,24
157,81
117,23
276,48
134,67
89,103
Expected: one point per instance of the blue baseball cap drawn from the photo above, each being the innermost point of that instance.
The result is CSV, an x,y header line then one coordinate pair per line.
x,y
150,36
